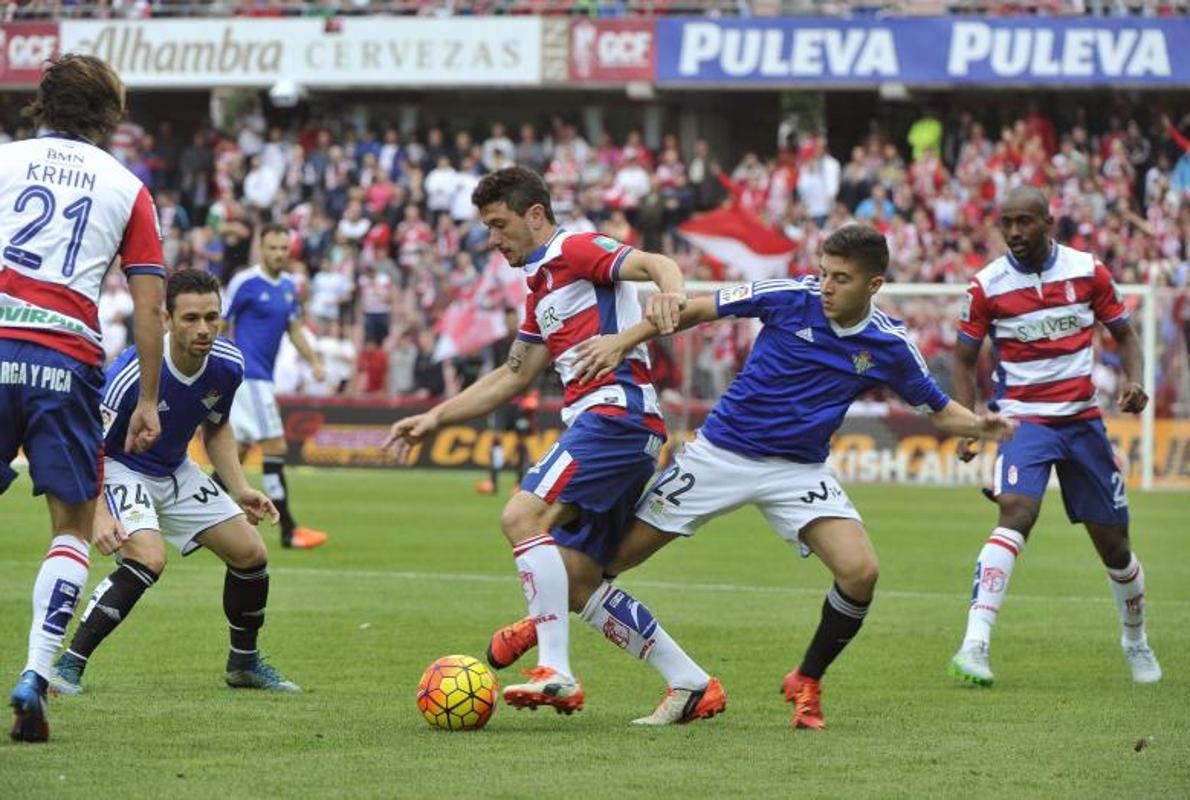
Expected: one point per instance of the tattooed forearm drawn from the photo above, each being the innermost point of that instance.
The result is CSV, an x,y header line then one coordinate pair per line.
x,y
516,356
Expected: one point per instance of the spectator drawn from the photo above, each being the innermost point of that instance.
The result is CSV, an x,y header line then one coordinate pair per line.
x,y
498,143
925,134
632,179
876,207
261,185
441,185
402,360
529,151
429,376
372,368
115,312
354,225
376,302
818,183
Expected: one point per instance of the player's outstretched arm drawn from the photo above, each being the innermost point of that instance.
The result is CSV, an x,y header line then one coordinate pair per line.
x,y
966,355
957,420
663,307
525,362
297,335
600,355
1132,395
148,331
223,451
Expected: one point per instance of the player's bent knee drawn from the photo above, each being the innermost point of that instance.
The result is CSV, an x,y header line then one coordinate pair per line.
x,y
251,556
1112,543
147,548
868,574
516,523
236,543
75,519
526,515
1018,513
858,579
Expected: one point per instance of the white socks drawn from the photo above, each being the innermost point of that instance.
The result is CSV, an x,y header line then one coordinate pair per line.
x,y
56,594
543,578
627,623
1128,588
992,571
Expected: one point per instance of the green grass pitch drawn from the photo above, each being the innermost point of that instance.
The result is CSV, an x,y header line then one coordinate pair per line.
x,y
416,568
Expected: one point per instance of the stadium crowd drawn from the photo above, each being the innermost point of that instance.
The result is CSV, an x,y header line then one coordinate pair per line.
x,y
385,237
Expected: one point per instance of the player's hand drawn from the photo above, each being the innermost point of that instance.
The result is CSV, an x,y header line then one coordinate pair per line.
x,y
967,450
257,507
598,356
108,533
319,372
664,309
143,428
1133,398
996,428
407,432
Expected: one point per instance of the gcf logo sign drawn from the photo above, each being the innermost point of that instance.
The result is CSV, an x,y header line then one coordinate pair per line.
x,y
24,48
614,51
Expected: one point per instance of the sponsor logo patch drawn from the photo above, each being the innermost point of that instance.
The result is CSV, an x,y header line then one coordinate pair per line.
x,y
862,361
528,586
993,579
733,294
607,243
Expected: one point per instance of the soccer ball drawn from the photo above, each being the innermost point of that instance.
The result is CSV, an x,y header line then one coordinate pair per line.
x,y
457,693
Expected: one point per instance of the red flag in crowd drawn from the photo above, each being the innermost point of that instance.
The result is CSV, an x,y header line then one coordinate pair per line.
x,y
741,241
476,317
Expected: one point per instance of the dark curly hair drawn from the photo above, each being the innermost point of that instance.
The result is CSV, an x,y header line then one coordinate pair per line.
x,y
189,281
79,95
518,188
862,245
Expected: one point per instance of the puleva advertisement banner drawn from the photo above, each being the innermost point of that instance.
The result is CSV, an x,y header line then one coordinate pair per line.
x,y
1135,51
355,52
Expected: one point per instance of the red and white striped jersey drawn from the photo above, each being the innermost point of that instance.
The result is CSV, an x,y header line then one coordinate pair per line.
x,y
1041,327
67,209
575,294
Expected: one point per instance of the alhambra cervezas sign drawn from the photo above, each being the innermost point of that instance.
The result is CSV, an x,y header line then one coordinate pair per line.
x,y
358,53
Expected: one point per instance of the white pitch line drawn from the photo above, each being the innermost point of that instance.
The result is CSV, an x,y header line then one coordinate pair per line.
x,y
677,586
476,577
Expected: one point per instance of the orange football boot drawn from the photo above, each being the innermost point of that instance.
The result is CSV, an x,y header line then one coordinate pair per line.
x,y
806,696
680,706
546,687
511,642
307,538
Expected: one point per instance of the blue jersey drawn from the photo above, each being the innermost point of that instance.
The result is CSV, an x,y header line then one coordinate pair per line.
x,y
804,372
261,309
185,402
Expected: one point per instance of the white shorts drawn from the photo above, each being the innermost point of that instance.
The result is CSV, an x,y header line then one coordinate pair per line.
x,y
254,413
705,481
180,506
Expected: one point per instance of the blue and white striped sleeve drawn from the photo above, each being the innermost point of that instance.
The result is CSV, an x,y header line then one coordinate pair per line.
x,y
761,298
